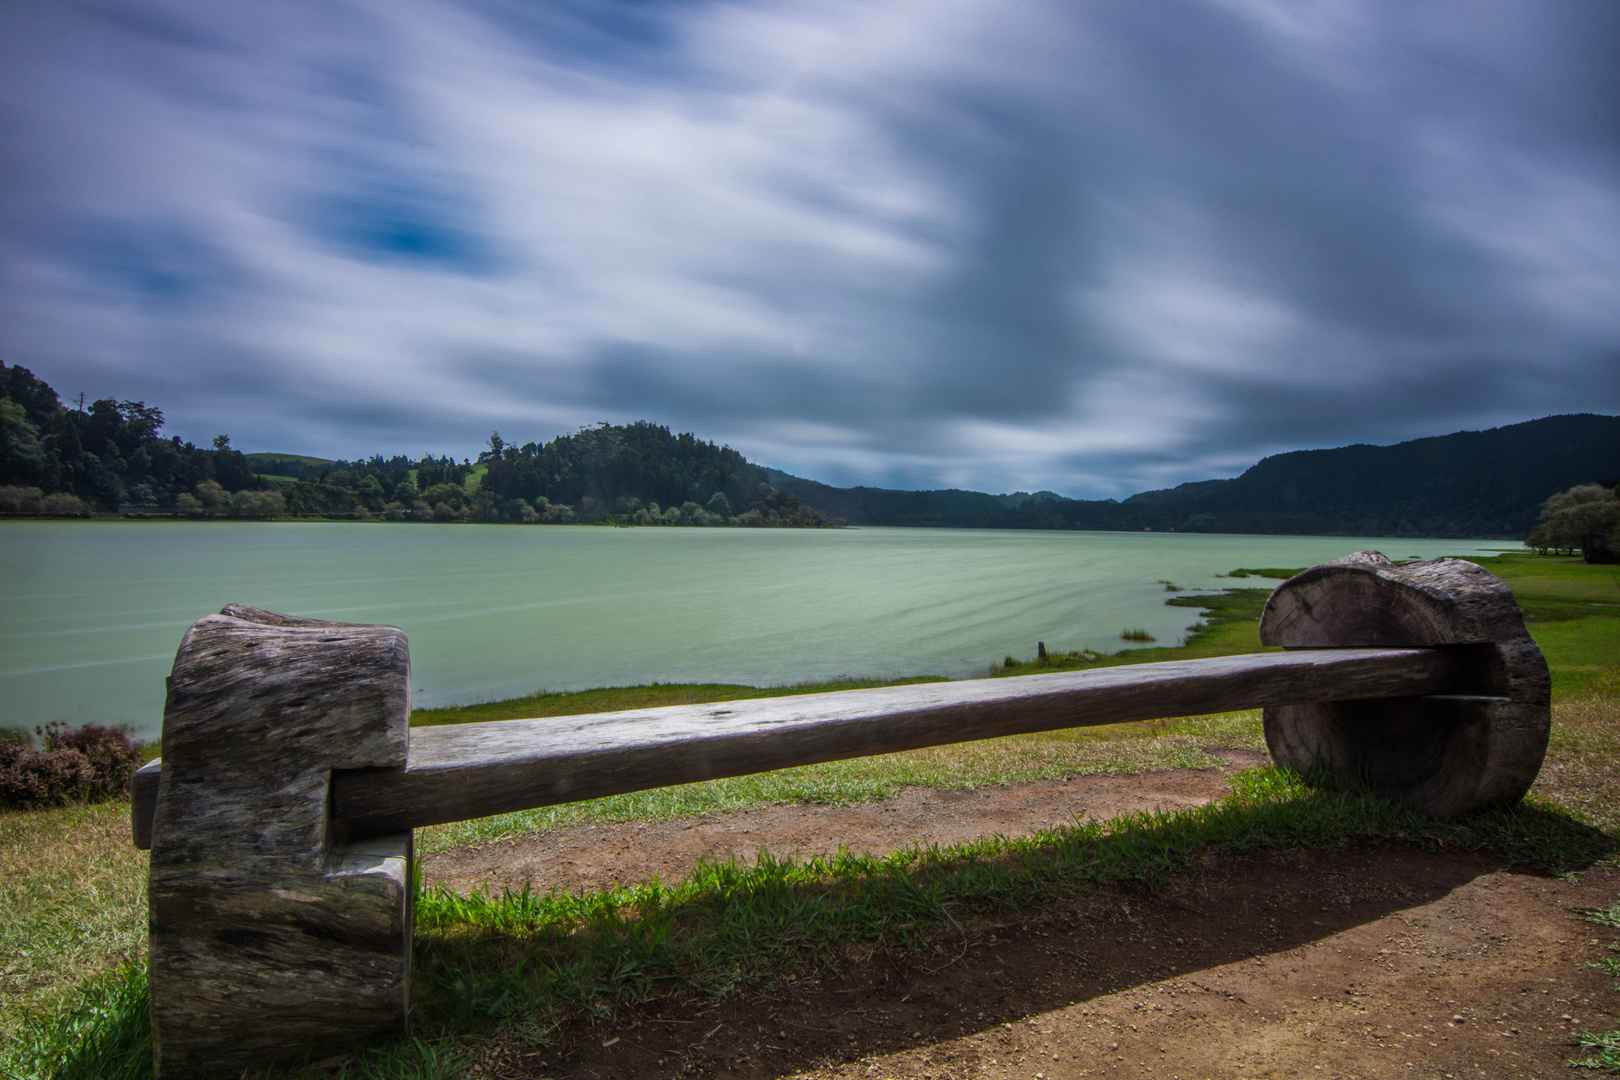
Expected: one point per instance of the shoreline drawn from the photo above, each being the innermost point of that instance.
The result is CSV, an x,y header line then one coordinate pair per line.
x,y
156,515
1228,624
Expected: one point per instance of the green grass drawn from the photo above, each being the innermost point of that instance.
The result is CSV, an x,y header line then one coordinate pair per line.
x,y
102,1033
72,905
1582,654
305,458
1228,624
1553,587
1582,768
1119,749
529,962
1605,1044
559,956
532,962
1572,609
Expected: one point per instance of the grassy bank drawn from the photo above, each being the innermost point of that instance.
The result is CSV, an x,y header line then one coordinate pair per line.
x,y
1571,608
72,912
540,960
1229,624
1573,612
494,972
72,905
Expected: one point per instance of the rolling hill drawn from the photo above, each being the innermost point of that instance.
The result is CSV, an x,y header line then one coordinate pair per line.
x,y
1471,483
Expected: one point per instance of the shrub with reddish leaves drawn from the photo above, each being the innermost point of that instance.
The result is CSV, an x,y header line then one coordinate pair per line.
x,y
88,764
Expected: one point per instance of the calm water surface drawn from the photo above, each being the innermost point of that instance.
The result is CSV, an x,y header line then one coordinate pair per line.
x,y
91,612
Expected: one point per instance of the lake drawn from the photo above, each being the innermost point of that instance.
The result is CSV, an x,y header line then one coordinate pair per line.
x,y
91,612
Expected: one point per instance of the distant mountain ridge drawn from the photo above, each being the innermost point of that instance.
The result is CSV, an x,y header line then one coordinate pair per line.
x,y
1468,484
58,461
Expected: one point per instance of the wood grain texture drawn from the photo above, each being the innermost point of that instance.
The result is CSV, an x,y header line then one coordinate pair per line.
x,y
266,939
1443,754
473,770
143,792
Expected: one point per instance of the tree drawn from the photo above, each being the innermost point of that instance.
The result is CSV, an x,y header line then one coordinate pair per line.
x,y
258,504
451,495
22,456
370,491
1586,517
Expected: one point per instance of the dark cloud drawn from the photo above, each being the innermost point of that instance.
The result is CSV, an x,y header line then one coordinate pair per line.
x,y
401,220
163,266
1092,249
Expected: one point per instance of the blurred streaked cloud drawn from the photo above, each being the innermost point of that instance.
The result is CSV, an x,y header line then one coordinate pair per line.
x,y
1081,246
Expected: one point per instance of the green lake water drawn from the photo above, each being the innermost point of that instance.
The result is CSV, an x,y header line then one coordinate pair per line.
x,y
91,612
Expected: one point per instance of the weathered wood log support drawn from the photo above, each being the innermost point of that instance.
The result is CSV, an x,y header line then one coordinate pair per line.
x,y
266,937
1444,754
279,817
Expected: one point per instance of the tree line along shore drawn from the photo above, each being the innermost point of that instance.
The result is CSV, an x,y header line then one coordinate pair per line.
x,y
108,458
1551,482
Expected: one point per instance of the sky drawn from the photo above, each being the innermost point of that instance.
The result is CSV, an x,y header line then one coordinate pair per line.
x,y
1090,247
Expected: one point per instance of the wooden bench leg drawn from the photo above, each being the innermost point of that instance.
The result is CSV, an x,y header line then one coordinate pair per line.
x,y
269,939
1442,754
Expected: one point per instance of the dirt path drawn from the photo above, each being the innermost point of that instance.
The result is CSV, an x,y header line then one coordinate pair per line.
x,y
1377,961
600,856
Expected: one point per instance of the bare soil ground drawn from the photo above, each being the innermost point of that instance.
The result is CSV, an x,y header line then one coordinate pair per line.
x,y
1374,961
592,857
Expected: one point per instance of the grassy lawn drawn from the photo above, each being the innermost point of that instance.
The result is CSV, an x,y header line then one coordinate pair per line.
x,y
1573,612
72,905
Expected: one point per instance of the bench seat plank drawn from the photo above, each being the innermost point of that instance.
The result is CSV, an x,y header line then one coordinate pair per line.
x,y
464,771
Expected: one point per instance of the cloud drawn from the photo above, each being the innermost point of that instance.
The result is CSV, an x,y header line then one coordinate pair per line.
x,y
1089,248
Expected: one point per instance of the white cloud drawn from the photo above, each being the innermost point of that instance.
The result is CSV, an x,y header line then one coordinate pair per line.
x,y
1086,249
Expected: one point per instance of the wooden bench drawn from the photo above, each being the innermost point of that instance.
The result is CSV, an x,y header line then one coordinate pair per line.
x,y
280,815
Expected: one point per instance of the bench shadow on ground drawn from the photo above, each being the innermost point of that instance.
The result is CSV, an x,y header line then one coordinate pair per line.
x,y
990,973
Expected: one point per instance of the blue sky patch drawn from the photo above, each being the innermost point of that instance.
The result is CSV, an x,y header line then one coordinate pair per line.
x,y
393,222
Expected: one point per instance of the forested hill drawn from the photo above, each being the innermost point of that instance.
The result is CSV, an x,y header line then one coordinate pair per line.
x,y
642,473
884,506
57,461
1471,483
111,457
66,460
